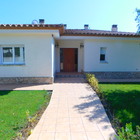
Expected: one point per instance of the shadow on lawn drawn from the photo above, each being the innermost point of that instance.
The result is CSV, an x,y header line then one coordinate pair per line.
x,y
125,104
4,92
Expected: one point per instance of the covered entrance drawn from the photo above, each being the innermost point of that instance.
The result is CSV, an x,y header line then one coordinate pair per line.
x,y
68,59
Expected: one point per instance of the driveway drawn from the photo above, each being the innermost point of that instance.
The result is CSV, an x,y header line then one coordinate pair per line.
x,y
74,113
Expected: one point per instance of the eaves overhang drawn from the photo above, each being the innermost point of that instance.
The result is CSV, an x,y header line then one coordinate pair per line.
x,y
55,29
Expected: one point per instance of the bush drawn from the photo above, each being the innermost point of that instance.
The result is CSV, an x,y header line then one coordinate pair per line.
x,y
128,133
93,82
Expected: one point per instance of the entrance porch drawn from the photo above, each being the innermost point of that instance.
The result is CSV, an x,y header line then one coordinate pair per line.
x,y
69,56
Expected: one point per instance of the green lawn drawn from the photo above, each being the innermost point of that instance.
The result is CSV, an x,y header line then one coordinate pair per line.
x,y
124,100
13,107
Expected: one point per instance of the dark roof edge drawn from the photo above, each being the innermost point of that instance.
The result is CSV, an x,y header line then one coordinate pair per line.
x,y
107,35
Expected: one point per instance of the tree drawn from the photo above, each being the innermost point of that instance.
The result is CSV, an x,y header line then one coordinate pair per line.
x,y
137,19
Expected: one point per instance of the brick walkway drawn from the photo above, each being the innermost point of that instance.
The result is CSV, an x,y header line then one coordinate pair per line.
x,y
74,113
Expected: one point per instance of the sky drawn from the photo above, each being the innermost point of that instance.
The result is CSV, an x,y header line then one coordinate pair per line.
x,y
99,14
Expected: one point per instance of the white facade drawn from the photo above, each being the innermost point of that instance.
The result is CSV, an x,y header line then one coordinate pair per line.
x,y
122,55
42,55
39,54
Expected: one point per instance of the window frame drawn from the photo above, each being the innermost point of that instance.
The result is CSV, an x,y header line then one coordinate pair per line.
x,y
105,60
13,55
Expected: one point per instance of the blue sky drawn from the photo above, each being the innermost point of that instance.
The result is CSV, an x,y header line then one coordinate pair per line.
x,y
99,14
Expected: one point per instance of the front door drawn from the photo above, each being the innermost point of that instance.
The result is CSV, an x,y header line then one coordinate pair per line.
x,y
68,59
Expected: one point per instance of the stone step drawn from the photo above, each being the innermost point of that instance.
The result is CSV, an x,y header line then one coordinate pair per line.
x,y
69,75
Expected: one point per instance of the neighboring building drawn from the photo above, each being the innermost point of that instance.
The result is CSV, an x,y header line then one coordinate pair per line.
x,y
34,53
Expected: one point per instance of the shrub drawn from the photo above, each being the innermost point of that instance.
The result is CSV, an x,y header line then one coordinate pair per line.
x,y
93,81
128,133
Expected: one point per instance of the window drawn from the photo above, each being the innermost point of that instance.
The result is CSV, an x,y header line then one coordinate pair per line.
x,y
102,54
7,54
11,55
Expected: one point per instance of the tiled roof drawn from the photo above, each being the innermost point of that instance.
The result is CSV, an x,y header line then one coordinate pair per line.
x,y
30,25
83,32
59,27
69,32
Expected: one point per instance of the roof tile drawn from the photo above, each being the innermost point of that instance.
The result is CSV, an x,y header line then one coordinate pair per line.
x,y
83,32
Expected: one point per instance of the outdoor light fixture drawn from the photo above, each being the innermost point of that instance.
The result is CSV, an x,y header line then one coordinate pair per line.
x,y
81,45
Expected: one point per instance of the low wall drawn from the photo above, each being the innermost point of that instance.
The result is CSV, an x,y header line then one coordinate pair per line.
x,y
26,80
116,75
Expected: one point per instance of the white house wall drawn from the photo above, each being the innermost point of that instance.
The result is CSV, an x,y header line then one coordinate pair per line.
x,y
38,55
69,44
122,55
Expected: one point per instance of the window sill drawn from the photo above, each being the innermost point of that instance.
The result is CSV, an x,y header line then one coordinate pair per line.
x,y
103,62
22,64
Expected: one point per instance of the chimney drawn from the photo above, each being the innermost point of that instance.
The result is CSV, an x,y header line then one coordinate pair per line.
x,y
86,26
114,28
41,21
65,26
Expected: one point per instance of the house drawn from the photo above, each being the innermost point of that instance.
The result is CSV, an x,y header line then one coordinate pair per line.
x,y
34,53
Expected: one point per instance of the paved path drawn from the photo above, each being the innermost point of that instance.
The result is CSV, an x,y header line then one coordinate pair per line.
x,y
74,113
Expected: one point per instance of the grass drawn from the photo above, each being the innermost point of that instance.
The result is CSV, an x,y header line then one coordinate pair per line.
x,y
124,101
13,108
